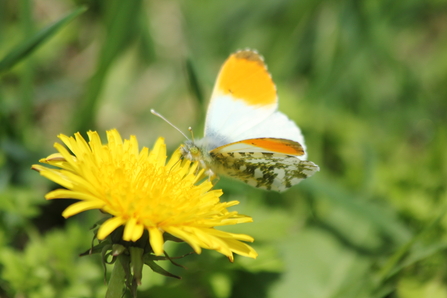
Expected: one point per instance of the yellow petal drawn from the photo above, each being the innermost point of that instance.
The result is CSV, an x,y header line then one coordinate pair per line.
x,y
158,154
222,234
174,160
179,233
156,240
66,155
95,143
66,140
137,232
80,146
69,194
55,175
109,226
81,206
241,248
129,229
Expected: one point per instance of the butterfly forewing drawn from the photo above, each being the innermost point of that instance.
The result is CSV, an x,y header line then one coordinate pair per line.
x,y
275,145
244,95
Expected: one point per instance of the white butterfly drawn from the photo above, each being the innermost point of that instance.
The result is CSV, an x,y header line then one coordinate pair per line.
x,y
246,137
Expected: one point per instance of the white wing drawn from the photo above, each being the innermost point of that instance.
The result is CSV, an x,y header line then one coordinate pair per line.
x,y
277,125
227,119
245,123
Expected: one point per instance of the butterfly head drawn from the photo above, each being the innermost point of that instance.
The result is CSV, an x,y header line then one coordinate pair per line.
x,y
191,151
197,151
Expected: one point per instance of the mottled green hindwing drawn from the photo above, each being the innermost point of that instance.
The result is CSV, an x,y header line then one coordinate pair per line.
x,y
271,171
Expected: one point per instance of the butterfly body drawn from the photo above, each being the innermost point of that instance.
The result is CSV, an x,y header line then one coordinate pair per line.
x,y
246,137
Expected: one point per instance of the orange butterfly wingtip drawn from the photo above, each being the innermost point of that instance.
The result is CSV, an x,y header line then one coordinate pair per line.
x,y
244,76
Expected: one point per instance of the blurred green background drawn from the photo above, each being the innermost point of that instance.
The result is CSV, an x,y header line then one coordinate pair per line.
x,y
365,80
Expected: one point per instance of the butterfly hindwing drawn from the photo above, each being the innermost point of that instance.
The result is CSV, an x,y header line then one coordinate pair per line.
x,y
266,170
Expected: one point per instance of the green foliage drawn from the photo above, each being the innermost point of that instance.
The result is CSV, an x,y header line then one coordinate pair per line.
x,y
365,80
50,267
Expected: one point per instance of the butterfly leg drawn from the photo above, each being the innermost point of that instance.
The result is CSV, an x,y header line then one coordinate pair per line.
x,y
212,177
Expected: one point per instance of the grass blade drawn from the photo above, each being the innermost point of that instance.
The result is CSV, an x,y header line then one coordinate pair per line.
x,y
27,47
121,19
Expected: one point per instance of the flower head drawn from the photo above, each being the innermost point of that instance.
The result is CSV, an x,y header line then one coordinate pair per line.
x,y
143,192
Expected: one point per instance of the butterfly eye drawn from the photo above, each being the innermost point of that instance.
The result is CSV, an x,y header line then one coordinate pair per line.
x,y
194,150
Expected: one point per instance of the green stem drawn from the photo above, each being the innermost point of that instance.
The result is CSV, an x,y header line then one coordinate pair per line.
x,y
116,282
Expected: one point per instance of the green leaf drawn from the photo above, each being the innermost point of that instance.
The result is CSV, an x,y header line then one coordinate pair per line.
x,y
27,47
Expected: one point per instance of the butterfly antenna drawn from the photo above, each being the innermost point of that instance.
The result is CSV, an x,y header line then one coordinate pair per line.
x,y
192,133
167,121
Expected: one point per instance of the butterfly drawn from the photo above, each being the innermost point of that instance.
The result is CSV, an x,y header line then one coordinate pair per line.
x,y
246,137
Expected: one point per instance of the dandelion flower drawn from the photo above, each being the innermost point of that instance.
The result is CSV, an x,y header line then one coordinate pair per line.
x,y
141,191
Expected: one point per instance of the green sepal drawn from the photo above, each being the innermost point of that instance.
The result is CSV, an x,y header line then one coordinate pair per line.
x,y
169,237
96,249
180,257
156,268
117,249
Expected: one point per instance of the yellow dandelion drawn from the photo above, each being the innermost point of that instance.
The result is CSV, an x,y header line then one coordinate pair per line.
x,y
143,192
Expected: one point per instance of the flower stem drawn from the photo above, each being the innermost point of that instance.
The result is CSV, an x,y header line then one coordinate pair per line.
x,y
116,282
